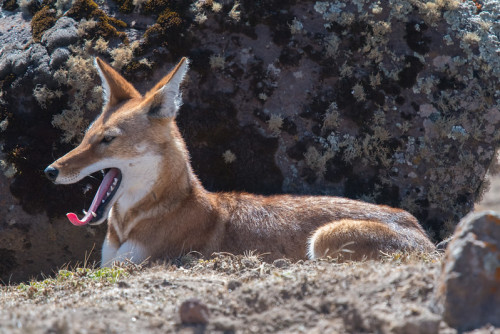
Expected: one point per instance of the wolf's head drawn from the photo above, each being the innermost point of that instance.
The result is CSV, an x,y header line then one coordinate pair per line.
x,y
133,138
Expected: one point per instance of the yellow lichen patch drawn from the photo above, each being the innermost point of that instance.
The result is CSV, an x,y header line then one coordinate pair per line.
x,y
125,6
155,6
44,19
165,29
106,26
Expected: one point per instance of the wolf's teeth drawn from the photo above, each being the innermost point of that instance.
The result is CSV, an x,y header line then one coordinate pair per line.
x,y
108,193
115,181
94,214
84,212
103,201
111,188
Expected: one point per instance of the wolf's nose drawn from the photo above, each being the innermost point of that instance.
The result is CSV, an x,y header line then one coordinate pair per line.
x,y
51,173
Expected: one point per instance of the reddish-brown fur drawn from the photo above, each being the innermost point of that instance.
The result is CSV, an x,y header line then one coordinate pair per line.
x,y
178,215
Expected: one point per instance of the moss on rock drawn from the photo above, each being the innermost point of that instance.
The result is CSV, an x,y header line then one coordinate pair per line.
x,y
107,26
43,20
125,6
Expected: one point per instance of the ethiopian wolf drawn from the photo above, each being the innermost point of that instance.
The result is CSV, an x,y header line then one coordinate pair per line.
x,y
157,208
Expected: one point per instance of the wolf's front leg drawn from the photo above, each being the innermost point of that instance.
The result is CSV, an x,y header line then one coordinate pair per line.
x,y
109,251
128,251
131,251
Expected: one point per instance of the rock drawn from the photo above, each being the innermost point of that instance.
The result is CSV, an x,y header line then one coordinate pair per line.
x,y
360,83
233,285
123,284
224,324
422,321
39,60
468,290
20,56
58,57
13,61
62,34
15,30
394,104
427,323
441,246
193,311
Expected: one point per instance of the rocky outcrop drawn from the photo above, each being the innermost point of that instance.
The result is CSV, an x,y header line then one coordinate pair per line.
x,y
34,244
389,102
468,291
35,237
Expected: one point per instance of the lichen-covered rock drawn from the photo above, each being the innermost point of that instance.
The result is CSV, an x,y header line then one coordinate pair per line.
x,y
468,291
393,102
19,56
34,236
59,57
15,35
62,34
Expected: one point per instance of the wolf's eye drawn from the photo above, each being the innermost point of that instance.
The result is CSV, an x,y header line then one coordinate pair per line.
x,y
107,139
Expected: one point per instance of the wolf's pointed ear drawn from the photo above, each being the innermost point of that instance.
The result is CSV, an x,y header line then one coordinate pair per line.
x,y
116,88
165,98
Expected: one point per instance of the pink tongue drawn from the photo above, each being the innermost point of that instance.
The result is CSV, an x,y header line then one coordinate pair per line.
x,y
106,183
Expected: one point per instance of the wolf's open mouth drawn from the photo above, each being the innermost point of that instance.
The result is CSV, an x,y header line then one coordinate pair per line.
x,y
105,193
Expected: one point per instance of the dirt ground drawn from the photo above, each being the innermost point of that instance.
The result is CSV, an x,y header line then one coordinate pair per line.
x,y
242,294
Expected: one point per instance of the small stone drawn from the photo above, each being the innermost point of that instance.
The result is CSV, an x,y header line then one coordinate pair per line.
x,y
426,323
223,324
193,311
233,285
123,284
468,290
281,263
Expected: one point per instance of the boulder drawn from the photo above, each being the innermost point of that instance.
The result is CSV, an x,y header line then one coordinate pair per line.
x,y
393,102
468,290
